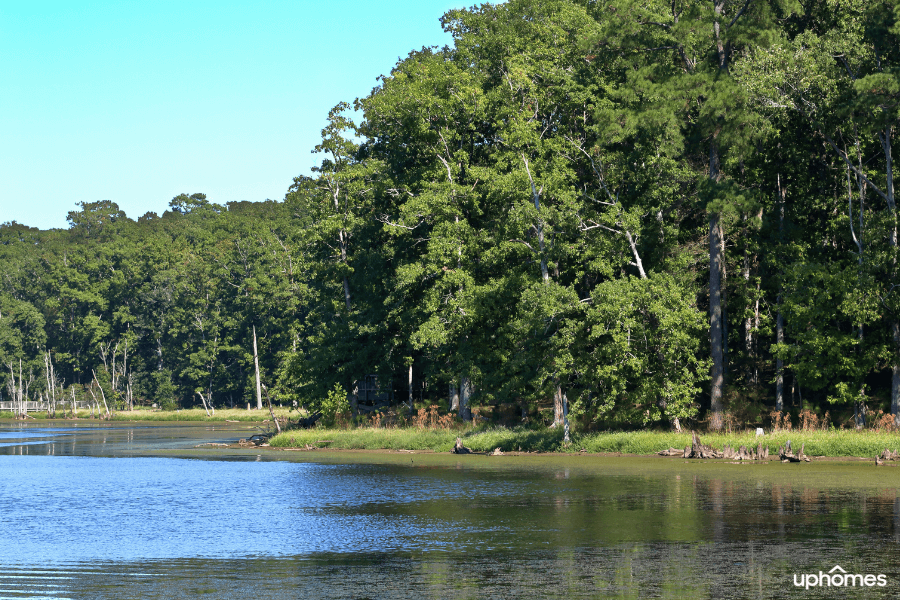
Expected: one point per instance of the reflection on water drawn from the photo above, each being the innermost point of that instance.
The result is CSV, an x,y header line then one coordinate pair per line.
x,y
86,516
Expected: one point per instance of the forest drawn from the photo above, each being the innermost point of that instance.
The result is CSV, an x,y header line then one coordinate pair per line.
x,y
641,213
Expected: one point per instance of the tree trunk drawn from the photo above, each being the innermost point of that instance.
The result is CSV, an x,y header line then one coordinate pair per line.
x,y
465,391
558,408
272,412
715,324
203,400
885,140
410,390
103,395
256,366
779,319
454,396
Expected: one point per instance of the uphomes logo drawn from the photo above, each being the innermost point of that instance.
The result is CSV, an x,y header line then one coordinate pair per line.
x,y
838,577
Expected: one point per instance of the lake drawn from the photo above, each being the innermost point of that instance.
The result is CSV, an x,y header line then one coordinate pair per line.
x,y
121,510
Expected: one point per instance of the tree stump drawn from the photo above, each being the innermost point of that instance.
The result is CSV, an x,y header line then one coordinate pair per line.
x,y
698,450
787,455
459,448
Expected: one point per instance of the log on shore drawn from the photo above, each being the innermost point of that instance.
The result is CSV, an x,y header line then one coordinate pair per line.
x,y
670,452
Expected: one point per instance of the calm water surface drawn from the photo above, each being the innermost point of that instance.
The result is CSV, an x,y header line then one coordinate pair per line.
x,y
124,511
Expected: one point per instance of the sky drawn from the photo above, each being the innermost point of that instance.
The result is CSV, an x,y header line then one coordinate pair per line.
x,y
137,102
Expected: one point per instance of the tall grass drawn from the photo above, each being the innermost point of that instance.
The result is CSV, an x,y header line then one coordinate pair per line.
x,y
836,443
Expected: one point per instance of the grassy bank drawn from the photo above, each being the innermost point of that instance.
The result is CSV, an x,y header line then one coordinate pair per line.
x,y
190,414
837,443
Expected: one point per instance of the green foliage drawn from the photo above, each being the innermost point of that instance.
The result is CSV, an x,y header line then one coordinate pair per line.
x,y
527,210
334,402
164,390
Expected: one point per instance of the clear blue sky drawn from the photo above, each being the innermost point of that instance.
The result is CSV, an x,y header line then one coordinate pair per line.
x,y
136,102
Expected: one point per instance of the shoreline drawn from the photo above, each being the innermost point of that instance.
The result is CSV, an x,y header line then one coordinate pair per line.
x,y
188,415
484,440
819,445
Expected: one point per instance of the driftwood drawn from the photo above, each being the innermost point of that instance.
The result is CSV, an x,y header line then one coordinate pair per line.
x,y
669,452
787,455
497,452
459,448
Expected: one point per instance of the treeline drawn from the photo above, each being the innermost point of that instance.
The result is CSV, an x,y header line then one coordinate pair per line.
x,y
646,212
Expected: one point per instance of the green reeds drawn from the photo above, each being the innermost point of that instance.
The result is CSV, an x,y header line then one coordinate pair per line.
x,y
834,443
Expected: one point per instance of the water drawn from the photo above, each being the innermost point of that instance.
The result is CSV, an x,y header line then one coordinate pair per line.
x,y
139,512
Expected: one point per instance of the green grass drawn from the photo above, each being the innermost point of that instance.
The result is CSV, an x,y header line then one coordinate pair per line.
x,y
838,443
190,414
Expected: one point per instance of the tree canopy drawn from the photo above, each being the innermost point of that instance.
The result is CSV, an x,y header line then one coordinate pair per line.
x,y
657,212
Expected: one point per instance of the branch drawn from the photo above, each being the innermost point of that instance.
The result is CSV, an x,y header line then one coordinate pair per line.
x,y
596,225
597,172
857,171
637,257
386,220
534,192
663,25
527,245
449,174
740,12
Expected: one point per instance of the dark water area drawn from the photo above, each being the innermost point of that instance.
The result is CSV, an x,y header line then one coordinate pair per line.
x,y
137,511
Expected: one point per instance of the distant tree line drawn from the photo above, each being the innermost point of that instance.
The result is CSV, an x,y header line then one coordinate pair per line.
x,y
650,212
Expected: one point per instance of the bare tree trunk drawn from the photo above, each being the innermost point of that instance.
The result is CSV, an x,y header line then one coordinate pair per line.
x,y
885,140
49,385
558,408
454,396
23,409
203,400
105,405
256,366
94,396
751,322
715,324
716,258
539,227
465,389
272,412
410,390
779,319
